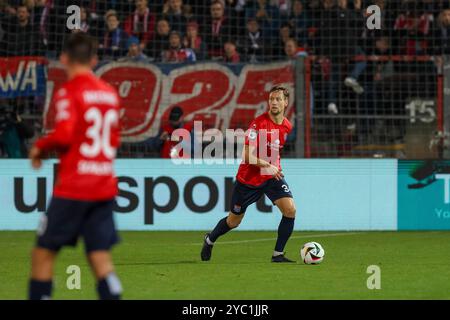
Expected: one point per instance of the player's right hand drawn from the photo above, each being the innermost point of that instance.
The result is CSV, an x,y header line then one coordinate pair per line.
x,y
275,172
35,156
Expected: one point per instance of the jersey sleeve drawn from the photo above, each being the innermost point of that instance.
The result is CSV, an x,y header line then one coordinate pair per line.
x,y
251,136
66,117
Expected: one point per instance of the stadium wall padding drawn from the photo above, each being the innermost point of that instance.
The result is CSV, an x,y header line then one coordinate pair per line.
x,y
344,194
157,194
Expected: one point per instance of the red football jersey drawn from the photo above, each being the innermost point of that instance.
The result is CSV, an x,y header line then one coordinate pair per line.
x,y
86,137
268,137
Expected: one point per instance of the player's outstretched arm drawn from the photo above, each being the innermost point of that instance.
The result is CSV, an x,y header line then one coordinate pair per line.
x,y
61,137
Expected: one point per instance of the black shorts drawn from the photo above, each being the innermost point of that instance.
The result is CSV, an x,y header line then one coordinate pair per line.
x,y
244,194
66,220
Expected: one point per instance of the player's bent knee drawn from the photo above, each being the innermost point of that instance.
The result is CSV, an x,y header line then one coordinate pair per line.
x,y
234,220
290,212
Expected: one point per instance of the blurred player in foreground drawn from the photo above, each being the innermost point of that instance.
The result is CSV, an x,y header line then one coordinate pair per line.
x,y
257,176
86,136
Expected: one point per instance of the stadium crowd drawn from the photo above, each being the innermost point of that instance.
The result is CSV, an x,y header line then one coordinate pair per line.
x,y
227,30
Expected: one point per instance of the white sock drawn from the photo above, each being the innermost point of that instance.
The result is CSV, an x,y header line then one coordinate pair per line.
x,y
209,241
277,253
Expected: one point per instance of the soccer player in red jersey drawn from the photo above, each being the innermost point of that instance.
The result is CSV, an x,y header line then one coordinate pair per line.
x,y
86,136
260,173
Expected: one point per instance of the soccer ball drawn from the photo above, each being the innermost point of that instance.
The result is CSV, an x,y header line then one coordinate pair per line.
x,y
312,253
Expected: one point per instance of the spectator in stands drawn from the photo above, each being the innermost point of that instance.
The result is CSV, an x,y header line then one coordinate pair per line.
x,y
141,23
13,132
193,41
234,10
160,42
217,30
267,15
292,49
338,39
277,48
176,52
162,141
6,9
284,7
21,38
384,68
230,52
253,42
173,13
299,22
442,34
135,53
84,19
188,12
114,41
413,28
41,12
378,76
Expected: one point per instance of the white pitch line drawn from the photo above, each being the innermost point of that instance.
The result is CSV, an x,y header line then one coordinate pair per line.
x,y
323,235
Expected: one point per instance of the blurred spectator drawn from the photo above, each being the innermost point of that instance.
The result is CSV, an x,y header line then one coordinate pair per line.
x,y
173,12
299,21
163,142
135,53
337,43
413,28
176,52
141,23
385,68
13,133
285,34
160,42
40,14
284,6
230,52
115,39
85,23
253,42
217,30
193,41
234,10
442,34
267,15
292,50
21,38
379,76
6,9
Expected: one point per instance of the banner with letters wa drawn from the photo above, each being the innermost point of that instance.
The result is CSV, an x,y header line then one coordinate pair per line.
x,y
22,77
220,95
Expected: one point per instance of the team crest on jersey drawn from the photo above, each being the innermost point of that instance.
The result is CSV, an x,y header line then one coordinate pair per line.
x,y
252,135
62,92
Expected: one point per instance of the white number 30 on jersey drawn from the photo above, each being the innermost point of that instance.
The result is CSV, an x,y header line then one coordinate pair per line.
x,y
100,133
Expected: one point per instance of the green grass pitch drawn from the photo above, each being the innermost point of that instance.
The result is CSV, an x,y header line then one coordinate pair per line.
x,y
166,265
